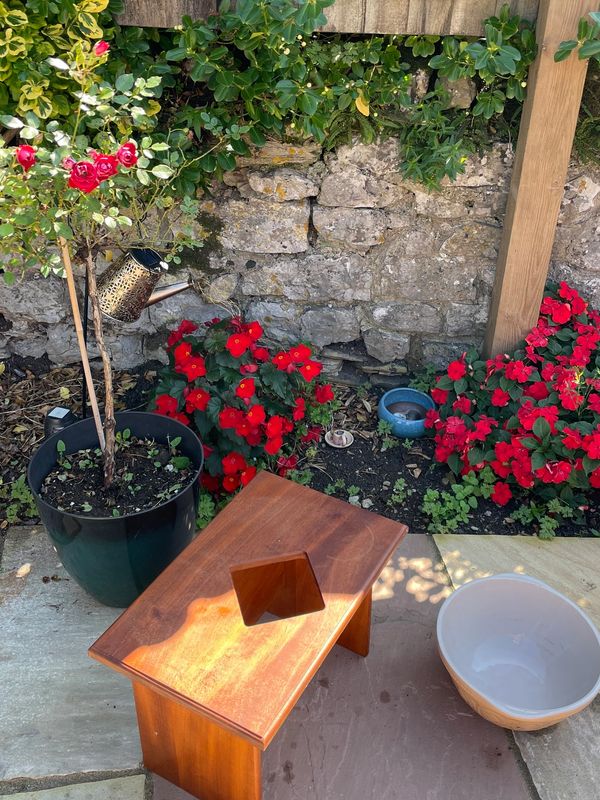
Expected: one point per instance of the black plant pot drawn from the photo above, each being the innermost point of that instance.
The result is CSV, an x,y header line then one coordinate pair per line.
x,y
115,558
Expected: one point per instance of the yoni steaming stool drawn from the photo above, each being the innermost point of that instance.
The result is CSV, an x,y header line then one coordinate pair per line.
x,y
221,646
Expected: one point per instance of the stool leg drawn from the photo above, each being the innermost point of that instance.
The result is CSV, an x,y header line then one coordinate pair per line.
x,y
196,755
357,633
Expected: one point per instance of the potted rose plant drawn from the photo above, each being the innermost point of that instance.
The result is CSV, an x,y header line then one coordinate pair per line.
x,y
108,183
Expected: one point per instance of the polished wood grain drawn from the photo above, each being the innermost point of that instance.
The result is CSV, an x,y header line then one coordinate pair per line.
x,y
200,757
543,151
186,637
283,588
356,636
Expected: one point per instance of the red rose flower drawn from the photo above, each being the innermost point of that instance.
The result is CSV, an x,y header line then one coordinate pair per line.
x,y
182,352
517,371
324,394
595,478
166,405
230,417
100,48
313,434
274,426
246,475
127,154
462,404
256,415
282,360
299,411
457,370
273,445
554,472
439,395
260,353
25,155
538,391
233,462
106,166
231,483
501,493
237,344
310,370
210,482
254,330
193,368
245,389
197,400
286,463
500,398
249,369
83,177
594,403
572,438
300,353
184,328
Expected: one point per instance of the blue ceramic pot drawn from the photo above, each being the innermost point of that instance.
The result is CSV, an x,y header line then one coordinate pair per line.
x,y
404,428
115,559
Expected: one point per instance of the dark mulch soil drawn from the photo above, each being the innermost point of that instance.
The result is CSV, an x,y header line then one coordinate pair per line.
x,y
367,465
145,477
28,389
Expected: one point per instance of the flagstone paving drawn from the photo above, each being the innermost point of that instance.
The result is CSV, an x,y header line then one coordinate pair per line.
x,y
564,760
389,727
131,788
61,713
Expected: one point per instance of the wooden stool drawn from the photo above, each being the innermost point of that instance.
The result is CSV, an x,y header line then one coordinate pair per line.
x,y
223,643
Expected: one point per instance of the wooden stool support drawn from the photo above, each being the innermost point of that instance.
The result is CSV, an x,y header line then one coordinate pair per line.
x,y
194,753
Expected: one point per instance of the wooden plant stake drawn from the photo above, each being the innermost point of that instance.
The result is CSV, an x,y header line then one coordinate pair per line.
x,y
109,404
66,257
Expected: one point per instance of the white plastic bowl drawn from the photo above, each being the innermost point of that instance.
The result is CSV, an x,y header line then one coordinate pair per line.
x,y
520,653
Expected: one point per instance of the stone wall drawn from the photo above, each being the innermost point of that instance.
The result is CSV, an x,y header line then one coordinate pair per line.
x,y
339,250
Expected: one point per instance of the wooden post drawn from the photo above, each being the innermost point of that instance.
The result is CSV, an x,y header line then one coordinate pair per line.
x,y
542,158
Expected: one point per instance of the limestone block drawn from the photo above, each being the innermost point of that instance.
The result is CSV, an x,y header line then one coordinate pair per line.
x,y
326,325
352,229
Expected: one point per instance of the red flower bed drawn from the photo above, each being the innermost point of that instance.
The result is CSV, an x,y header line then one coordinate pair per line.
x,y
251,407
532,416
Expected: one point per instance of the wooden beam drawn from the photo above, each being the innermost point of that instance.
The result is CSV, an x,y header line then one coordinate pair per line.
x,y
164,13
432,17
542,158
460,17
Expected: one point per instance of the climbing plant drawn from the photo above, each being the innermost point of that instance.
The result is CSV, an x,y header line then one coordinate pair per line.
x,y
260,71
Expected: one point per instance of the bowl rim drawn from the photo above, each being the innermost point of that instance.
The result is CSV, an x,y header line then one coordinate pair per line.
x,y
517,712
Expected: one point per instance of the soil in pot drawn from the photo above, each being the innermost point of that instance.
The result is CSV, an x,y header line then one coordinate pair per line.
x,y
147,473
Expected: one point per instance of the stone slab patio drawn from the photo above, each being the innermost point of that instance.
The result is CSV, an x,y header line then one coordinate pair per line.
x,y
564,761
130,788
383,728
61,713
